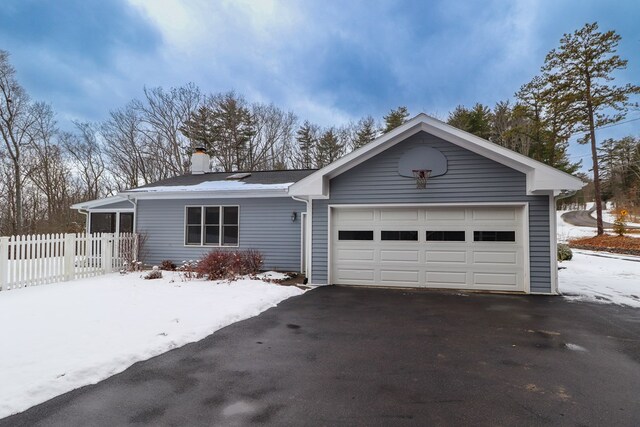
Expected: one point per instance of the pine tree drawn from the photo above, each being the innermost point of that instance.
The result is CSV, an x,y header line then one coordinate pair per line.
x,y
329,148
582,67
395,118
197,128
547,123
365,132
307,141
476,120
232,127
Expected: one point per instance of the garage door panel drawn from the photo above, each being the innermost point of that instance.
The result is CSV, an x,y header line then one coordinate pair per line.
x,y
445,278
347,255
454,257
448,215
399,255
355,215
493,215
488,257
399,214
410,277
356,274
510,279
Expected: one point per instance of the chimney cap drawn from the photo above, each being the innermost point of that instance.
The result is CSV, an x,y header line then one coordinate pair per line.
x,y
200,150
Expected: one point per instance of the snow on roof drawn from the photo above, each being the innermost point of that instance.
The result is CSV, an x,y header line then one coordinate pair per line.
x,y
212,186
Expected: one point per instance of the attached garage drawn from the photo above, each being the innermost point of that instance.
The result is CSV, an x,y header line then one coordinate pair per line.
x,y
476,247
427,205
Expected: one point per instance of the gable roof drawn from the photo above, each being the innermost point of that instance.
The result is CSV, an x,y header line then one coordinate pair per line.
x,y
541,178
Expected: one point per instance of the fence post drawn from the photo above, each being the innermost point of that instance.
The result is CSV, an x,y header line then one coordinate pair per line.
x,y
69,256
134,250
106,246
4,263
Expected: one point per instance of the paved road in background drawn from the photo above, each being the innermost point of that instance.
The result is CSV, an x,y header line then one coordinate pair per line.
x,y
584,219
368,357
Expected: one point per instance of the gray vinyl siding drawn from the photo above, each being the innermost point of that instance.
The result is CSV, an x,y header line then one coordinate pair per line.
x,y
124,204
265,225
470,178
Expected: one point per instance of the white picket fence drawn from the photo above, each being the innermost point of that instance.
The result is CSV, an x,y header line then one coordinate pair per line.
x,y
39,259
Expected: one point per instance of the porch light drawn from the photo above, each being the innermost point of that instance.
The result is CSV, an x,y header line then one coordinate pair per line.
x,y
294,215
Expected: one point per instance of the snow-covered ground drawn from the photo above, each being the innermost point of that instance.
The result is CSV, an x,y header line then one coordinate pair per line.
x,y
597,276
601,277
58,337
568,232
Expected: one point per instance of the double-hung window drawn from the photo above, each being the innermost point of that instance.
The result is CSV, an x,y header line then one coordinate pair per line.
x,y
211,226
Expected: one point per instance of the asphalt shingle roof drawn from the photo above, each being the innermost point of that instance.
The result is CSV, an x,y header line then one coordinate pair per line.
x,y
258,177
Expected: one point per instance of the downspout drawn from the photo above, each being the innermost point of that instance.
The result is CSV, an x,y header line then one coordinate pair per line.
x,y
85,212
134,202
309,232
554,255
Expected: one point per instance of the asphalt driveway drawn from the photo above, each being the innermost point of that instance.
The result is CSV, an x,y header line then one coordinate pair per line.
x,y
348,356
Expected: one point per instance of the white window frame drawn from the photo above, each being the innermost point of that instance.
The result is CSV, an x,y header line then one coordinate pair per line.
x,y
117,212
202,226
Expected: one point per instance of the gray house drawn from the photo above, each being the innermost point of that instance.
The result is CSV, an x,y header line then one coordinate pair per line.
x,y
425,205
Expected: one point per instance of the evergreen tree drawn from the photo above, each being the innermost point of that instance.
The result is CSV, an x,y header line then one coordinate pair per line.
x,y
547,123
307,141
581,68
395,118
232,128
476,120
225,127
197,128
330,147
365,132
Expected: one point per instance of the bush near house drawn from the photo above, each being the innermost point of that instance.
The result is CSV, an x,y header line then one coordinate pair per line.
x,y
167,265
564,252
220,264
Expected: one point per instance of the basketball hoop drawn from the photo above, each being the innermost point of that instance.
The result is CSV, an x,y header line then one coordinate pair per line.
x,y
421,176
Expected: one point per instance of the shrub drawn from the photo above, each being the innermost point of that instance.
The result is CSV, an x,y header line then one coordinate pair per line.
x,y
188,270
220,264
564,252
167,265
252,261
155,273
620,224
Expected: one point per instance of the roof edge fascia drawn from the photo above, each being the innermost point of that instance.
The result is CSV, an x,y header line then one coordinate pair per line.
x,y
165,195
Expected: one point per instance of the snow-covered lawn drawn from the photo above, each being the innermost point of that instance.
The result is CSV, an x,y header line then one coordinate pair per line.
x,y
601,277
597,276
58,337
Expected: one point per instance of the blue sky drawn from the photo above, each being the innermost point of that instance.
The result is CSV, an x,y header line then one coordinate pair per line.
x,y
329,61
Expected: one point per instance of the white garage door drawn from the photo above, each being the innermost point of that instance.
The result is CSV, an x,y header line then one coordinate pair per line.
x,y
479,248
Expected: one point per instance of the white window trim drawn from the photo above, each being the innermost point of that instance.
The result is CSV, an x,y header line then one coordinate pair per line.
x,y
202,226
118,212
